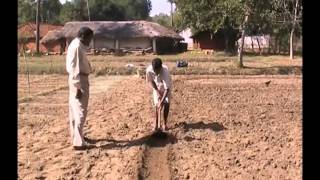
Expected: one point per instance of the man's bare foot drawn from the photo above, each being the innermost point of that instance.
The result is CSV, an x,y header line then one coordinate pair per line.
x,y
165,127
155,127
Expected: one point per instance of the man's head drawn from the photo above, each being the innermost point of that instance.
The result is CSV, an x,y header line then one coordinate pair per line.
x,y
85,35
157,65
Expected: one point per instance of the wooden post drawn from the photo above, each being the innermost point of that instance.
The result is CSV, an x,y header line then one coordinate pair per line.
x,y
154,45
117,44
94,46
117,50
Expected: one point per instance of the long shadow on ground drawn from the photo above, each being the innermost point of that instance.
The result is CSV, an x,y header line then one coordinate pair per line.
x,y
214,126
157,139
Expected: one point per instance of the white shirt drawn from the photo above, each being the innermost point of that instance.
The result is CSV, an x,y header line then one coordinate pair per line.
x,y
77,61
163,79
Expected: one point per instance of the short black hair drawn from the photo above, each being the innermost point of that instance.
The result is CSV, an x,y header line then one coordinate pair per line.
x,y
85,32
156,63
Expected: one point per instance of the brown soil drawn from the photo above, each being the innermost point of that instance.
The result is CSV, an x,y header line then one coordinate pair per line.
x,y
221,127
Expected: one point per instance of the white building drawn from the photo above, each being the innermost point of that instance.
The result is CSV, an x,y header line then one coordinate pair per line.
x,y
186,34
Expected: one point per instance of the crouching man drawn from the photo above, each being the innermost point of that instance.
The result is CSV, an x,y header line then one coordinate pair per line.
x,y
158,77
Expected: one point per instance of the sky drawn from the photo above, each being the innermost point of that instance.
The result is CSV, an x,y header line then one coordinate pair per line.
x,y
158,6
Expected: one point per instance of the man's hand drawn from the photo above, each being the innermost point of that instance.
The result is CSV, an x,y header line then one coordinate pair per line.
x,y
160,104
160,93
79,94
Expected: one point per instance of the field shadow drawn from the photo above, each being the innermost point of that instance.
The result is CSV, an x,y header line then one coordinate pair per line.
x,y
254,54
157,139
214,126
161,139
278,69
272,67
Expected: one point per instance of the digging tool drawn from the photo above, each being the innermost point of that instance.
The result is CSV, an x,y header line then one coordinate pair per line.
x,y
159,118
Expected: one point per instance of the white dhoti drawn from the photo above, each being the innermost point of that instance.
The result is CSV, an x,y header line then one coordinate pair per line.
x,y
78,111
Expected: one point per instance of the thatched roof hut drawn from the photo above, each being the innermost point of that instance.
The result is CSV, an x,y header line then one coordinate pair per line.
x,y
53,37
27,37
121,34
27,31
121,29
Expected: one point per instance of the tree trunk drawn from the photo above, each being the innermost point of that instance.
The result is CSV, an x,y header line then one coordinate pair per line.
x,y
275,44
260,52
291,43
88,10
38,26
227,46
252,46
171,15
243,33
292,30
279,45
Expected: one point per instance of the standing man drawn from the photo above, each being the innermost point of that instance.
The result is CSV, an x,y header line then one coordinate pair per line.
x,y
158,77
78,68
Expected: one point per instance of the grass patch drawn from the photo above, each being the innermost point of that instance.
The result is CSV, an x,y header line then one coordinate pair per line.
x,y
199,63
44,93
116,71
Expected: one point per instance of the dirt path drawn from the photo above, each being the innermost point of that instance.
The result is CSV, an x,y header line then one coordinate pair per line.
x,y
155,157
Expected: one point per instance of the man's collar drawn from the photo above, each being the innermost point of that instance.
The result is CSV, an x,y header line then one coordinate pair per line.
x,y
82,45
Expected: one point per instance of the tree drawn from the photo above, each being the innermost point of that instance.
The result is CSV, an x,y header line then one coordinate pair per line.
x,y
50,10
80,7
243,34
67,13
178,23
137,9
105,11
171,11
294,15
227,15
119,10
286,23
26,11
208,15
162,19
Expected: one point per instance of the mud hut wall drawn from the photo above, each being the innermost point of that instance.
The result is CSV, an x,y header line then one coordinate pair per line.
x,y
135,43
206,40
104,43
32,46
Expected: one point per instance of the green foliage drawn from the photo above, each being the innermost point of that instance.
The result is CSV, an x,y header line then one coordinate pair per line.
x,y
67,13
50,10
53,12
26,11
101,10
81,11
273,17
162,19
